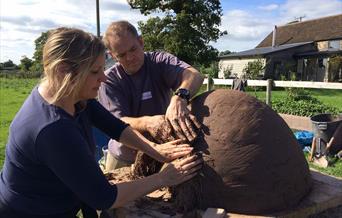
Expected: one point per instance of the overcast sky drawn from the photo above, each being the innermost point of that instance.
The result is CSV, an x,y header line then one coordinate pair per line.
x,y
247,21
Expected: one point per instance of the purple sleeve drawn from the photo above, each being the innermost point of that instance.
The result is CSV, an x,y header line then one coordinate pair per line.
x,y
63,149
171,68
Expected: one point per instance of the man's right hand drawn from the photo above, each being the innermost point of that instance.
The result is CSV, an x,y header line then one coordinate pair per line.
x,y
183,122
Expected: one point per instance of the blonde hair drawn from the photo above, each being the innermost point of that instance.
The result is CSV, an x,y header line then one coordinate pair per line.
x,y
68,55
118,29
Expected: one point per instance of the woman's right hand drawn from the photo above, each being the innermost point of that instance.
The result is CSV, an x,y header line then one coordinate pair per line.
x,y
179,171
171,150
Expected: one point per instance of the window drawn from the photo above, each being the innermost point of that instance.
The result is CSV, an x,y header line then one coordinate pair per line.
x,y
334,45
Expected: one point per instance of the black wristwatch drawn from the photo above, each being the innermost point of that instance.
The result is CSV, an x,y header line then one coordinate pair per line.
x,y
183,93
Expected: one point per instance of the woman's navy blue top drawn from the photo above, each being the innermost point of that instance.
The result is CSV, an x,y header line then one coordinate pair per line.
x,y
50,166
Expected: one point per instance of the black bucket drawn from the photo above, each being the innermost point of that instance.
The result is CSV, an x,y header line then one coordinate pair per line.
x,y
324,126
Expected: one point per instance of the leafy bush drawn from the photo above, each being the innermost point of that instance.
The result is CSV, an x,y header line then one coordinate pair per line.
x,y
19,74
300,102
254,69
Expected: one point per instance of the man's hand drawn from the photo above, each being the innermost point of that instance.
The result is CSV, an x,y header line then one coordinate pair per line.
x,y
159,128
184,124
172,150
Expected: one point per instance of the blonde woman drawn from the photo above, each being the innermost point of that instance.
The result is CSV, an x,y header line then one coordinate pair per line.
x,y
49,166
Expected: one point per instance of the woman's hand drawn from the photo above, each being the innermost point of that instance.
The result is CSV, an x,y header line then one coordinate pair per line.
x,y
180,171
174,173
172,150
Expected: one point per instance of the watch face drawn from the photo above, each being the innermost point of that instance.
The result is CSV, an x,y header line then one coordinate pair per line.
x,y
183,93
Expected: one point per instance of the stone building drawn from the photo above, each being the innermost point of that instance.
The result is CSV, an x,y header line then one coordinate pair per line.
x,y
312,50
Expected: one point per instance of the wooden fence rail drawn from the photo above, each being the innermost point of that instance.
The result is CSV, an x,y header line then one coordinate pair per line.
x,y
270,83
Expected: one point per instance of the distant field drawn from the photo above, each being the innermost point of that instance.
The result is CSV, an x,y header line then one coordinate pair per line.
x,y
14,91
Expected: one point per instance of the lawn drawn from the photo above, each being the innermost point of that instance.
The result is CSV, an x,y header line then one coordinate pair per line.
x,y
328,96
332,97
14,91
335,169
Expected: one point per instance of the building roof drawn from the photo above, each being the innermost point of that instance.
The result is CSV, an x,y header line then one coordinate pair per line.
x,y
319,53
263,51
326,28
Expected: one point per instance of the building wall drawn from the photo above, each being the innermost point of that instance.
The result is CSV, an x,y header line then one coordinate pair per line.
x,y
236,66
323,45
284,62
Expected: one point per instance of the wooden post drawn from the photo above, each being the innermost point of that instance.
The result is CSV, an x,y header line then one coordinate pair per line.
x,y
209,84
268,92
98,18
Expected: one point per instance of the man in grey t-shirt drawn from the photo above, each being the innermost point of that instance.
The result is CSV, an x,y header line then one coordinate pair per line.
x,y
139,90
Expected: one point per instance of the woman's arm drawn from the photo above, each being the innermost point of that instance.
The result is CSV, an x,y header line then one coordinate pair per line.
x,y
119,131
174,173
162,152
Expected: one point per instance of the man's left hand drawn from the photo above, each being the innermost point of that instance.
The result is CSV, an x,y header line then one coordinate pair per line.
x,y
184,124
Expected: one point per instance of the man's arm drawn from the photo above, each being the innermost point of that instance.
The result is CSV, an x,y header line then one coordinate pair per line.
x,y
161,152
177,112
192,80
156,126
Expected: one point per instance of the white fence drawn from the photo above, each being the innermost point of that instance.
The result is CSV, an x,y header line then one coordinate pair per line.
x,y
270,83
276,83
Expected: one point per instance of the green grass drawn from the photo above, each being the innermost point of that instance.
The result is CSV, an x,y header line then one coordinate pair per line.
x,y
335,169
13,92
329,97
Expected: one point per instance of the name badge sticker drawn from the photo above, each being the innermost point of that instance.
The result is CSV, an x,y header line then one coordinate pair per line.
x,y
146,95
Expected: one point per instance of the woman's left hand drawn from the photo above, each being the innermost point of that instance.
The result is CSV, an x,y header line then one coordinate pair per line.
x,y
172,150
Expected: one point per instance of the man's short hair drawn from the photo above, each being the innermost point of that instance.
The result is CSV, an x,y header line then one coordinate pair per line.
x,y
118,29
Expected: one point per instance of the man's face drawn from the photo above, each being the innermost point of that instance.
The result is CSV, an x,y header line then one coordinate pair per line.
x,y
129,52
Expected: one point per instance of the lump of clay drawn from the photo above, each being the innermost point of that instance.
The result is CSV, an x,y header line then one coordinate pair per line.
x,y
253,163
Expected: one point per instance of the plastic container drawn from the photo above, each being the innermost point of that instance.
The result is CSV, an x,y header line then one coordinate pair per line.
x,y
304,138
324,125
101,140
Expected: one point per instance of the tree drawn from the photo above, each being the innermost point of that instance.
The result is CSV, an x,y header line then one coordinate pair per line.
x,y
254,69
25,64
185,31
8,64
335,68
211,71
227,71
226,52
37,65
